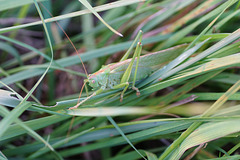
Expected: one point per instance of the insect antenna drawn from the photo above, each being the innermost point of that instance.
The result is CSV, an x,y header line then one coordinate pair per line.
x,y
68,39
72,121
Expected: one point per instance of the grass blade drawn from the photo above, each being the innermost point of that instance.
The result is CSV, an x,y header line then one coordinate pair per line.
x,y
124,136
88,6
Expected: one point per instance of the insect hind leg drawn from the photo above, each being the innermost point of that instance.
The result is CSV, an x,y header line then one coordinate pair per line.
x,y
126,76
137,90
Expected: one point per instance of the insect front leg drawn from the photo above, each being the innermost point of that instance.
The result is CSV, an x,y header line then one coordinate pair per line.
x,y
92,95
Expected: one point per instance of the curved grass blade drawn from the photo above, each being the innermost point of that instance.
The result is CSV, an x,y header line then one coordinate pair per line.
x,y
23,105
88,6
50,44
8,98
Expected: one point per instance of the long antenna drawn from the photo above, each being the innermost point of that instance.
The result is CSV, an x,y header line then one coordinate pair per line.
x,y
68,39
72,121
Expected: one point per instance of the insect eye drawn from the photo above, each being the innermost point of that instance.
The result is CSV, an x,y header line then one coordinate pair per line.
x,y
93,81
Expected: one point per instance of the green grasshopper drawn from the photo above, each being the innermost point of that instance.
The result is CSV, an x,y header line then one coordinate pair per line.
x,y
122,74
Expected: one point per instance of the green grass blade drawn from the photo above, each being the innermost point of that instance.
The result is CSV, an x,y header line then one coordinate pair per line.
x,y
88,6
124,136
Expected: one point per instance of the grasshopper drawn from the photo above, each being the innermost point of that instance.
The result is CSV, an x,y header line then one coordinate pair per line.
x,y
122,74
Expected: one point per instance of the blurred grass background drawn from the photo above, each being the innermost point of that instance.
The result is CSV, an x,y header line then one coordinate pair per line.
x,y
181,102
